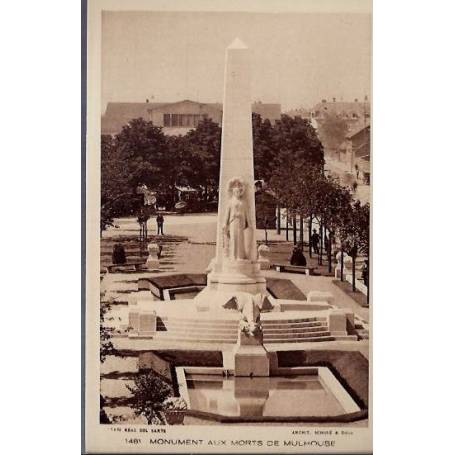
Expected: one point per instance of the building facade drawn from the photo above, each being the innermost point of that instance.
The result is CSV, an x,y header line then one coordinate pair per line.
x,y
175,118
356,113
356,151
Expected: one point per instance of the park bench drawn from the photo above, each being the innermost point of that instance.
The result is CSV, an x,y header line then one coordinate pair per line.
x,y
294,269
133,266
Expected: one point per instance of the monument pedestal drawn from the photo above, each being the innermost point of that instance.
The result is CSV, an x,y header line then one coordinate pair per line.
x,y
250,357
251,360
238,276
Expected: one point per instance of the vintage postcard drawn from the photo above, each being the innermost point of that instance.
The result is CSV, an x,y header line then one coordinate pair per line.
x,y
228,186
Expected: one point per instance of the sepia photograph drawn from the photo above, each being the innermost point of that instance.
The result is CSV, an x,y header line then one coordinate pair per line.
x,y
228,227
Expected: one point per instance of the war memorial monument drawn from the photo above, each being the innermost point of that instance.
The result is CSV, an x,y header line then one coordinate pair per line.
x,y
234,351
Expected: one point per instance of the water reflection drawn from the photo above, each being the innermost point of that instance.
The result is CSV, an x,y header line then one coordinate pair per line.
x,y
280,396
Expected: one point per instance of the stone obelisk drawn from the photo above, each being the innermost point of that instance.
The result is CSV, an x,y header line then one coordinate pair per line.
x,y
234,270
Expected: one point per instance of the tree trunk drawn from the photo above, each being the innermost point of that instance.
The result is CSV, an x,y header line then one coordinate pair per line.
x,y
294,229
287,225
266,242
342,263
301,229
321,242
310,245
322,239
278,220
329,253
353,271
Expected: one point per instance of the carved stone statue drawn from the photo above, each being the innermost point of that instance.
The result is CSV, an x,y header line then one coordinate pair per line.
x,y
236,222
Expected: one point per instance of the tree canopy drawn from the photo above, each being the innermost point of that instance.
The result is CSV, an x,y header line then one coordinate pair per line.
x,y
142,154
202,148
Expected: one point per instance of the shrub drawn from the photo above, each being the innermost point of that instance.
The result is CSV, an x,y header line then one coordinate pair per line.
x,y
119,255
149,395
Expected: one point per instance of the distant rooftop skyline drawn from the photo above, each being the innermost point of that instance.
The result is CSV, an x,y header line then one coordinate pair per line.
x,y
297,59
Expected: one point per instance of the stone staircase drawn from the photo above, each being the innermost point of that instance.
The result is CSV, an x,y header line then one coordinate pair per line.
x,y
175,329
296,330
197,330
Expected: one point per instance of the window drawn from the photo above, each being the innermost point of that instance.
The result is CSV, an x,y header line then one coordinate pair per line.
x,y
183,120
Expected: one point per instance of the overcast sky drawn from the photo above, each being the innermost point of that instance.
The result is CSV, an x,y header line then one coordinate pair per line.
x,y
297,59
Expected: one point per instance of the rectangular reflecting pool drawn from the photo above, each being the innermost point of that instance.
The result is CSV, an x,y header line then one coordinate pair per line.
x,y
316,393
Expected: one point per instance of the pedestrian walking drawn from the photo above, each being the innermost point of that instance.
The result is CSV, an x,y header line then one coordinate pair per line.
x,y
315,241
160,223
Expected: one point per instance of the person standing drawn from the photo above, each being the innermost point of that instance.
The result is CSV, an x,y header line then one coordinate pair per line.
x,y
160,223
315,241
142,220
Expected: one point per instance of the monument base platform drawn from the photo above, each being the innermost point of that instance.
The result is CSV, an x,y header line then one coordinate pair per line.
x,y
251,360
245,278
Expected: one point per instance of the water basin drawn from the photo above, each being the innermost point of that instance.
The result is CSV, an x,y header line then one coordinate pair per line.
x,y
315,393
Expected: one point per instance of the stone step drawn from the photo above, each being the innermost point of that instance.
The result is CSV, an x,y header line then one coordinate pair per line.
x,y
286,330
199,322
295,325
129,258
185,329
293,321
274,336
200,338
299,340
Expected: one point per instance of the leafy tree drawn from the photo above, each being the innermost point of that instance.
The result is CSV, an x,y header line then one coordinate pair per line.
x,y
296,186
149,395
103,416
297,137
140,153
114,182
355,233
181,170
263,147
202,155
332,201
144,149
106,346
265,211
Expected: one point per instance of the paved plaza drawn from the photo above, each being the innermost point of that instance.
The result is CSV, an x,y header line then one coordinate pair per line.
x,y
194,255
